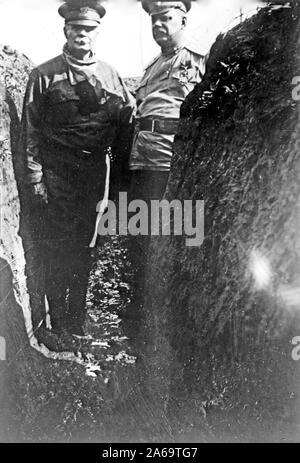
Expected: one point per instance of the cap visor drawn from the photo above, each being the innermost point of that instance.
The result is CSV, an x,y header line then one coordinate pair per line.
x,y
159,11
84,22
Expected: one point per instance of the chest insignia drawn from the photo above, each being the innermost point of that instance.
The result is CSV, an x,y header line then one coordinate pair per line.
x,y
185,73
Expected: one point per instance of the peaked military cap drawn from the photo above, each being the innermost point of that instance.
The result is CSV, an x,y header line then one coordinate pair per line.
x,y
155,7
86,12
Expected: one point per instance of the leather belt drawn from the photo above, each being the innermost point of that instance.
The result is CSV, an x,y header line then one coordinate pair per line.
x,y
163,126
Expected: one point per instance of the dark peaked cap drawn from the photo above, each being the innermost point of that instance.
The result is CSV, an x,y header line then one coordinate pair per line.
x,y
88,12
154,6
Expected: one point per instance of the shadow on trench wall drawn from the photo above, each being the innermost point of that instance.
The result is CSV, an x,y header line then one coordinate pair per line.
x,y
220,319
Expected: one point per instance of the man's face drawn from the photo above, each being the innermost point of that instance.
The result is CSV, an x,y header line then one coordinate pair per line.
x,y
166,25
80,38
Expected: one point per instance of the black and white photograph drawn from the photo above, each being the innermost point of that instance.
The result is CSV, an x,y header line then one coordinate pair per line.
x,y
149,224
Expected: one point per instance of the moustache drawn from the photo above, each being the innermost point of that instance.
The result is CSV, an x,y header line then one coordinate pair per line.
x,y
80,41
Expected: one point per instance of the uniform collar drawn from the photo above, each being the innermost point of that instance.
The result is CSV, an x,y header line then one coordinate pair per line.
x,y
174,50
79,70
78,62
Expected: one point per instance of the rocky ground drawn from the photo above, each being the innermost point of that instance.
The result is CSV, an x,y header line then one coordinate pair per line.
x,y
104,397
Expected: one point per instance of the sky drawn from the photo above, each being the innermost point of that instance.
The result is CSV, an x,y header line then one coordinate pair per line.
x,y
125,41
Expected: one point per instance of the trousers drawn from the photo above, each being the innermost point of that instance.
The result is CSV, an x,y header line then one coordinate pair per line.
x,y
57,270
145,185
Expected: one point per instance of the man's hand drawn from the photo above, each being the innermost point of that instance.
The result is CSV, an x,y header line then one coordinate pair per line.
x,y
39,191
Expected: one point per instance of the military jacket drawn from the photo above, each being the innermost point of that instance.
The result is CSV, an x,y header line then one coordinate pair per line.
x,y
54,124
69,120
164,86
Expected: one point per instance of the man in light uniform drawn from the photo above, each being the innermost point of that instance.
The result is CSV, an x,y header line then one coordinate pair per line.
x,y
167,81
164,86
76,109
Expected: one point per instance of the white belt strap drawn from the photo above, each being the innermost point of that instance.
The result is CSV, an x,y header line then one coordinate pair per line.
x,y
102,205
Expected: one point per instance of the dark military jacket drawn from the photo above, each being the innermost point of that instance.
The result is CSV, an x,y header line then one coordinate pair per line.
x,y
68,123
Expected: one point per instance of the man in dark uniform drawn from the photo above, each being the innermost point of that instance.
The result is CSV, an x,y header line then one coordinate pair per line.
x,y
75,109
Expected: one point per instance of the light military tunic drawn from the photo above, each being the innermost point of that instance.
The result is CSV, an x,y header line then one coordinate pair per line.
x,y
166,83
